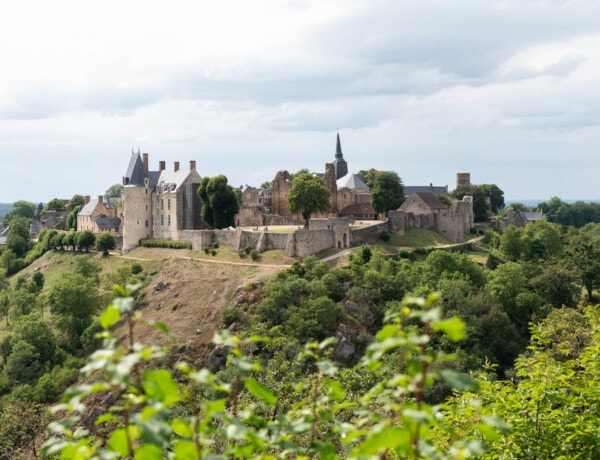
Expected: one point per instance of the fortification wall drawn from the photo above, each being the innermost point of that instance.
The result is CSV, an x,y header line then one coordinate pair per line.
x,y
273,219
365,235
451,225
397,222
249,216
308,242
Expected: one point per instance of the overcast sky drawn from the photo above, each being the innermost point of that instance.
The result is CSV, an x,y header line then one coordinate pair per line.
x,y
506,90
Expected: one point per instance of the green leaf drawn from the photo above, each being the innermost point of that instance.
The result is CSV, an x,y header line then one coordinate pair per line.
x,y
148,452
459,380
185,450
327,367
110,316
159,326
159,384
454,328
118,442
260,391
181,428
498,423
387,438
326,450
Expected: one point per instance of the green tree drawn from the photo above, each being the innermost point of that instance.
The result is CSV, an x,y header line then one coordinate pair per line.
x,y
481,205
223,201
37,281
23,209
206,211
76,201
18,239
55,204
73,301
85,240
23,365
114,191
308,194
368,176
106,242
495,196
387,192
34,330
584,253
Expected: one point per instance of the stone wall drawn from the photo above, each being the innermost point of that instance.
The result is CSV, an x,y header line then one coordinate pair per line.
x,y
450,224
366,235
280,187
307,242
249,216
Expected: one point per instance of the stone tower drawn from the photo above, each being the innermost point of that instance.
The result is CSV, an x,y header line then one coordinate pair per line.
x,y
463,179
137,202
330,182
340,165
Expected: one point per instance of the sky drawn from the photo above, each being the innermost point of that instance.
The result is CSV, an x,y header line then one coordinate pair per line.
x,y
508,91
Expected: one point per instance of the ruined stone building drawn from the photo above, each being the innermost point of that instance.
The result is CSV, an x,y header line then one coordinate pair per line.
x,y
159,204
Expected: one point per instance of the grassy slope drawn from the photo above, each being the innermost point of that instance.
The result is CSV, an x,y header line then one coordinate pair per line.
x,y
187,290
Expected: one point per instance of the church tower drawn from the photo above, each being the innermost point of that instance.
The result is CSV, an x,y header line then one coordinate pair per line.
x,y
340,165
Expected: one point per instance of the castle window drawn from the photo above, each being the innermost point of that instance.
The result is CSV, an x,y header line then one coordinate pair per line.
x,y
162,221
146,223
169,220
162,203
169,205
146,207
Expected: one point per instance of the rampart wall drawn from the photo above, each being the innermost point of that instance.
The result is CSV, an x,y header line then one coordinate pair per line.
x,y
365,235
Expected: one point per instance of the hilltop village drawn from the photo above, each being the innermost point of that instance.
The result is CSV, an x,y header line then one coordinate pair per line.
x,y
164,203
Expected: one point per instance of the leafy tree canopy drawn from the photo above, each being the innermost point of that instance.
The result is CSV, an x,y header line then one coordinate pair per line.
x,y
387,192
76,201
220,202
114,191
20,209
308,194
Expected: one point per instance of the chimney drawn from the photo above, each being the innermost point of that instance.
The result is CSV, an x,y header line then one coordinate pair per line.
x,y
192,165
176,166
145,161
161,165
87,199
100,199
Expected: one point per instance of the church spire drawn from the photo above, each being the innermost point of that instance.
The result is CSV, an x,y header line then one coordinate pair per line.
x,y
341,167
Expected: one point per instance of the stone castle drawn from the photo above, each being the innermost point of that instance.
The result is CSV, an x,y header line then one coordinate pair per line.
x,y
164,204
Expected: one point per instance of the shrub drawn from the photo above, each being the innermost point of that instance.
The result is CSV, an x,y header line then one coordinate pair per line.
x,y
384,235
254,254
231,315
165,243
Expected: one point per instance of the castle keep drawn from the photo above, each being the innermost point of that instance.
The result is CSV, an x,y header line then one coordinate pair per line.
x,y
159,204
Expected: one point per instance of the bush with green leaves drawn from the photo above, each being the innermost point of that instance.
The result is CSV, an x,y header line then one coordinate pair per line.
x,y
156,413
164,243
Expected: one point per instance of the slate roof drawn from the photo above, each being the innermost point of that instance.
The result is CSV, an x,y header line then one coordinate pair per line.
x,y
4,235
91,205
103,221
437,189
430,200
172,179
358,209
351,181
532,216
135,171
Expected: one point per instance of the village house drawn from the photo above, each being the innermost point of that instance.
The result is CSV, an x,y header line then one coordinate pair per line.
x,y
98,215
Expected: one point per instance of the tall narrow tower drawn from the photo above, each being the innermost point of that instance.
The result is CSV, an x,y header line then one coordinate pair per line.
x,y
341,167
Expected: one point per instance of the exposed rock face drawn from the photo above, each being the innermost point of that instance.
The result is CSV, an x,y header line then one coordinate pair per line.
x,y
217,358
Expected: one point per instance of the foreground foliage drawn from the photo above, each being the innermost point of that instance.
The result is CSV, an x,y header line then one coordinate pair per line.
x,y
154,412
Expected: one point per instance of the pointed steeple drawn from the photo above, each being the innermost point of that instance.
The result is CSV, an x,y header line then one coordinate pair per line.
x,y
341,167
338,147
